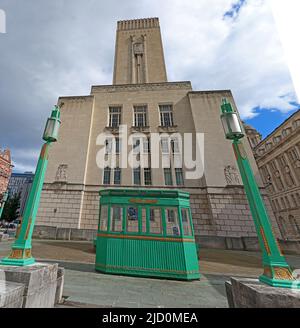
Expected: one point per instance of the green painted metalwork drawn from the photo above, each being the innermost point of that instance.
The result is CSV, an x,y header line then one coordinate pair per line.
x,y
146,245
277,272
21,249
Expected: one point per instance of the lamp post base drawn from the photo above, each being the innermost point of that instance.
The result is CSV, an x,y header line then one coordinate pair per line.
x,y
279,276
295,284
18,257
17,262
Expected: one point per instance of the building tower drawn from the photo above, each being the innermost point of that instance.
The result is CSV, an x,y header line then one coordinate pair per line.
x,y
142,100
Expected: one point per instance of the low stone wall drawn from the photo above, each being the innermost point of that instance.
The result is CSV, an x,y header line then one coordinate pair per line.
x,y
54,233
244,244
35,286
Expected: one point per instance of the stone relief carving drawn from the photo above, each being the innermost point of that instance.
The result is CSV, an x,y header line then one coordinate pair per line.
x,y
61,173
231,175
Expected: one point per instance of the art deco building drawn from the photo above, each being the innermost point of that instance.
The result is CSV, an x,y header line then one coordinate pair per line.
x,y
142,98
5,170
278,159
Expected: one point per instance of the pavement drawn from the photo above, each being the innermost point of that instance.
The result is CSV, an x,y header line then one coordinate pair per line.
x,y
84,287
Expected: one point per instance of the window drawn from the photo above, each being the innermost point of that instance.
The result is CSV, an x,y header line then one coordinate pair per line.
x,y
296,124
277,139
103,217
168,177
109,143
137,176
294,154
175,146
164,145
179,177
155,221
147,177
118,145
132,219
171,215
140,116
144,220
108,146
269,145
136,145
187,230
146,145
117,176
166,115
114,117
282,161
106,175
286,132
116,219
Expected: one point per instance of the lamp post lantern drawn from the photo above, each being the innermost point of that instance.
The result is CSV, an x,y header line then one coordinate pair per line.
x,y
21,249
277,272
2,202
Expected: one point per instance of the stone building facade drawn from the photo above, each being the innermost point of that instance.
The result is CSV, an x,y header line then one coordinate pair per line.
x,y
278,159
5,169
142,99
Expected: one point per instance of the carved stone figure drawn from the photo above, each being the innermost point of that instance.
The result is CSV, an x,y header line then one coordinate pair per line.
x,y
61,173
231,175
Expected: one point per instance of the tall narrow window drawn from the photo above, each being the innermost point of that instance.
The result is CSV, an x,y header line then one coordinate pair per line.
x,y
137,176
118,145
146,145
140,116
147,176
114,117
166,115
168,177
165,145
117,176
175,146
179,177
106,175
136,145
108,146
116,219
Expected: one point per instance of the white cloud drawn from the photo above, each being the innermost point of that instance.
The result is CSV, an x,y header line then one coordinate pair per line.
x,y
242,54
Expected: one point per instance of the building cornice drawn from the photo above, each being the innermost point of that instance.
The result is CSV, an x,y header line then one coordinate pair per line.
x,y
185,85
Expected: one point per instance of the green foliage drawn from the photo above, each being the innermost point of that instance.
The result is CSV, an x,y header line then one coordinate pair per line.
x,y
11,208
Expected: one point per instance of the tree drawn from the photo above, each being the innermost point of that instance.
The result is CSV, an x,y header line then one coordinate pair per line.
x,y
11,208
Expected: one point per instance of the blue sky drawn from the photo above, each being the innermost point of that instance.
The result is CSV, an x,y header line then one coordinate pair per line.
x,y
267,120
61,47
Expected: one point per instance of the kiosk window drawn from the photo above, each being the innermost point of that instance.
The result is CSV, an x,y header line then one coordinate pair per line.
x,y
187,231
116,218
132,219
172,222
155,221
103,218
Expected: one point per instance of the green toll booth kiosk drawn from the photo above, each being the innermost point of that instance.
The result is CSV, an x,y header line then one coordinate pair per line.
x,y
145,232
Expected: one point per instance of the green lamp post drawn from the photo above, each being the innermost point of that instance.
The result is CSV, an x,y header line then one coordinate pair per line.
x,y
277,272
2,202
21,249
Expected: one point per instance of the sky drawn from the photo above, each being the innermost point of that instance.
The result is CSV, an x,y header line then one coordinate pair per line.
x,y
62,47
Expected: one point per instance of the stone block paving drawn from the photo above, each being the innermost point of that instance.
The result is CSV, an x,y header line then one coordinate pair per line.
x,y
84,287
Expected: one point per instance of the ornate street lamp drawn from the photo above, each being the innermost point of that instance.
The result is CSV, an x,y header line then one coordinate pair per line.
x,y
21,249
277,272
2,202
